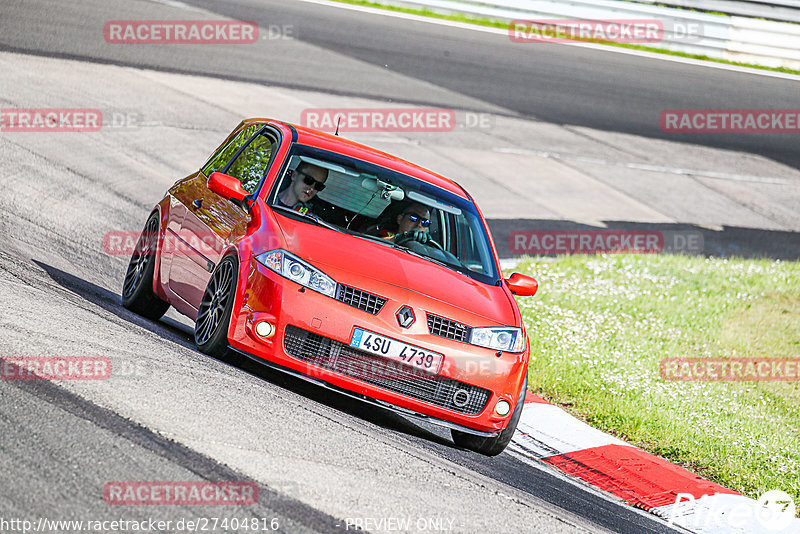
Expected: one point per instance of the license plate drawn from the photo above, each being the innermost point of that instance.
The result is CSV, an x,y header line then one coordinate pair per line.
x,y
396,350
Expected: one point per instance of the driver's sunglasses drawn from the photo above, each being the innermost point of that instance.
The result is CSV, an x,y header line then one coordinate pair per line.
x,y
417,219
308,180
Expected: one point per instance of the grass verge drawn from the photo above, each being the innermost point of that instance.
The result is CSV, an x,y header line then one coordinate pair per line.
x,y
600,326
494,23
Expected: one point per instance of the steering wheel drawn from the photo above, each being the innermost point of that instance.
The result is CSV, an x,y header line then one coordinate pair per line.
x,y
435,244
430,242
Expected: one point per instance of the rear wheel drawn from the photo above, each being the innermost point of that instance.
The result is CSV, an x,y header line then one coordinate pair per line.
x,y
137,289
214,314
496,445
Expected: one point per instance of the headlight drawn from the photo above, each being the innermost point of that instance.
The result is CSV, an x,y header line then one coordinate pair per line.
x,y
295,269
508,339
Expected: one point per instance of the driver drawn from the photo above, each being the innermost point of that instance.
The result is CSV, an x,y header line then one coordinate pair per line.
x,y
413,223
307,180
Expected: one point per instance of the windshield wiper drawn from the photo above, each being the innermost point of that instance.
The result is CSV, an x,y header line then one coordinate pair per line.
x,y
373,238
460,268
308,216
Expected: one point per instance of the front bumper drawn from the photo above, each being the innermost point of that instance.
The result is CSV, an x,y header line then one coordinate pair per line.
x,y
311,340
365,398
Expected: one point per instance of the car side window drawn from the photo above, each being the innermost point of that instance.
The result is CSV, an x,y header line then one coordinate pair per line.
x,y
252,162
224,154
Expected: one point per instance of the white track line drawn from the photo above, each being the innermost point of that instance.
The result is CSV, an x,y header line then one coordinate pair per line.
x,y
497,31
645,166
614,49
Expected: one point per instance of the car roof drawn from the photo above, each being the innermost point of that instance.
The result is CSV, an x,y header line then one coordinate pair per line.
x,y
318,139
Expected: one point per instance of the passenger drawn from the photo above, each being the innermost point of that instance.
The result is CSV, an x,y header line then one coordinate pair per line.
x,y
307,180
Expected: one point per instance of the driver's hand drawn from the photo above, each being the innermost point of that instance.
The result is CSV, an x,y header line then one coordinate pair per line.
x,y
415,235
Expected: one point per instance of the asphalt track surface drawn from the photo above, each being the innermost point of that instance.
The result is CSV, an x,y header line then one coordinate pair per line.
x,y
178,415
558,84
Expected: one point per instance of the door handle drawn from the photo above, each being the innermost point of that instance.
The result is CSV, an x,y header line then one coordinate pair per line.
x,y
197,204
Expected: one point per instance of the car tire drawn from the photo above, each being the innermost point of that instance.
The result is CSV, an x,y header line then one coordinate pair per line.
x,y
496,445
214,314
137,288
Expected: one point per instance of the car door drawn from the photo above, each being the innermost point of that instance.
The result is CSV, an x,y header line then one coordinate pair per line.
x,y
212,221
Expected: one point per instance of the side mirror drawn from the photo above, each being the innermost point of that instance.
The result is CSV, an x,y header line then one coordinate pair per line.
x,y
522,285
227,186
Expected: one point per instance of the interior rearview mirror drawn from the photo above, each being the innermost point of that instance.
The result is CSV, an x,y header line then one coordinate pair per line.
x,y
387,191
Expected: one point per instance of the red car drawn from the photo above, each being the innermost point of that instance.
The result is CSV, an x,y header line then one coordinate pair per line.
x,y
345,266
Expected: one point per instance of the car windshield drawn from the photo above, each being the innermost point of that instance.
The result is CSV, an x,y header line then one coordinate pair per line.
x,y
387,207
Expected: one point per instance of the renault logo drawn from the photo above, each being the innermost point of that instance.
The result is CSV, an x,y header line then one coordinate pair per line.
x,y
461,397
405,316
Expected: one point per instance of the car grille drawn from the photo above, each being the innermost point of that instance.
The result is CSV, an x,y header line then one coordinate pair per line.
x,y
360,299
439,326
394,376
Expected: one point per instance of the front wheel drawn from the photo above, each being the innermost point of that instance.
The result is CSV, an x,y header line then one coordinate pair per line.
x,y
137,289
214,314
496,445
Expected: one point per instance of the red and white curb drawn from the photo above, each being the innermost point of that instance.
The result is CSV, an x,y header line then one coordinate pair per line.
x,y
549,434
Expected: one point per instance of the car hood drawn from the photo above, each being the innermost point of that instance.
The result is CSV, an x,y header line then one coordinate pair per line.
x,y
396,274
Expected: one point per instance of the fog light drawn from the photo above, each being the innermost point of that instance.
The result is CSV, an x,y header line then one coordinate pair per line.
x,y
265,329
502,408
